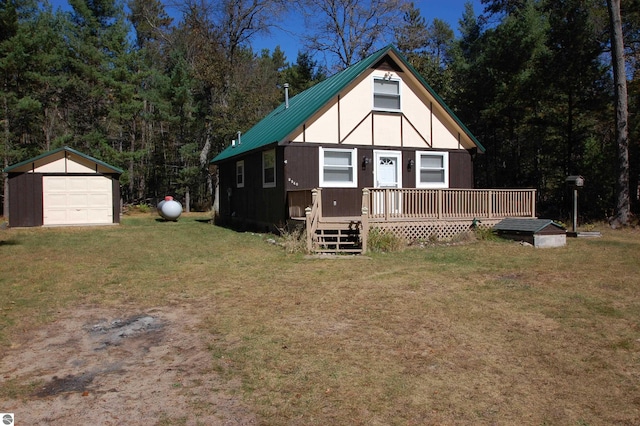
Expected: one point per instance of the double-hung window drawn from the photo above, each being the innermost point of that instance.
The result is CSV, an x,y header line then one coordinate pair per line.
x,y
240,174
386,94
432,169
269,168
337,168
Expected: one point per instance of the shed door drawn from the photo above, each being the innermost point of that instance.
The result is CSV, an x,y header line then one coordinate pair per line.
x,y
77,200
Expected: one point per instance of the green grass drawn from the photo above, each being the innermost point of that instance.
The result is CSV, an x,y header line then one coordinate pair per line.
x,y
487,332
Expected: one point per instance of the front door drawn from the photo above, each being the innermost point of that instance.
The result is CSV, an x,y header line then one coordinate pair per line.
x,y
387,169
388,174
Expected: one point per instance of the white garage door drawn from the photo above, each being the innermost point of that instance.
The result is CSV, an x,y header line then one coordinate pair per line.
x,y
77,200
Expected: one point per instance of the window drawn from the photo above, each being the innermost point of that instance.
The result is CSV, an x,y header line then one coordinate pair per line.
x,y
386,94
337,168
432,169
269,168
240,174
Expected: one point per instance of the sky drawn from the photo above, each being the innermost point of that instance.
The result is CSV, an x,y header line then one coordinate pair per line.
x,y
449,11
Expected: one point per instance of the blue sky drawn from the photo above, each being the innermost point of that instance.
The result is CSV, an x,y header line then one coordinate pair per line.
x,y
449,11
289,41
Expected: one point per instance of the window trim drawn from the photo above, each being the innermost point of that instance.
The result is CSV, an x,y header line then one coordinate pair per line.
x,y
445,168
266,184
373,94
240,173
354,169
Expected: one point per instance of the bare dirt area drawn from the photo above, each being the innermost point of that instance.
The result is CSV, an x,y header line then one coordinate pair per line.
x,y
99,366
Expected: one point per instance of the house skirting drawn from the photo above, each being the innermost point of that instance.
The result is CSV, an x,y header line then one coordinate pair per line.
x,y
424,230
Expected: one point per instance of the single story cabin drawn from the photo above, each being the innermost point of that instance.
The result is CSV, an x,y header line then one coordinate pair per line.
x,y
63,187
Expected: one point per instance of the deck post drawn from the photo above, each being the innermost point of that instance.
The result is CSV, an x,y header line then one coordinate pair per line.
x,y
387,205
440,203
533,203
364,236
490,204
366,195
307,212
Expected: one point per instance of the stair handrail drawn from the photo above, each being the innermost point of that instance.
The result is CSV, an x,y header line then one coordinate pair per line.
x,y
313,215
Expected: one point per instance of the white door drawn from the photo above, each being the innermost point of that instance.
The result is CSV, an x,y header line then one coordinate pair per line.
x,y
388,174
77,200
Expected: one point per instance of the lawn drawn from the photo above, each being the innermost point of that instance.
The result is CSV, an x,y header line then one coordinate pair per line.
x,y
486,332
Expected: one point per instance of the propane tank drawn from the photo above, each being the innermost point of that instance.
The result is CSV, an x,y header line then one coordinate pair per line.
x,y
169,208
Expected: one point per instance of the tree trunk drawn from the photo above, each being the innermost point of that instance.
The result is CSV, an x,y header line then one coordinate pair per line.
x,y
7,134
204,163
622,213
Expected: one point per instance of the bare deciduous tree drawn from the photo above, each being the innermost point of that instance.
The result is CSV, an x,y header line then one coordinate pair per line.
x,y
239,21
350,30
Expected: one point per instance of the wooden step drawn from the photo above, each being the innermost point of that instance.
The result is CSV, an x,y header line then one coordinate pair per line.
x,y
338,237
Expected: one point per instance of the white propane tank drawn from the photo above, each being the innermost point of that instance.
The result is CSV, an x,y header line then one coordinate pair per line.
x,y
169,208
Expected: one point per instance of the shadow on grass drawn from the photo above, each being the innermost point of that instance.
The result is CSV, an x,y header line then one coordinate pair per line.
x,y
9,243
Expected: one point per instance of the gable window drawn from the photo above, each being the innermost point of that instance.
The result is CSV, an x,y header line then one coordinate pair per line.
x,y
240,174
269,168
386,94
337,168
432,169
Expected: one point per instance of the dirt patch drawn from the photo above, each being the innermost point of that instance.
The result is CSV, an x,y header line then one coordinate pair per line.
x,y
100,366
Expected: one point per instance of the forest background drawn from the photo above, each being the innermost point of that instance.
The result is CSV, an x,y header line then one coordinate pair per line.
x,y
160,95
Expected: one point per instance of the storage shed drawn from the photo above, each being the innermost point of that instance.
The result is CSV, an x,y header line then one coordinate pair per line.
x,y
63,187
538,232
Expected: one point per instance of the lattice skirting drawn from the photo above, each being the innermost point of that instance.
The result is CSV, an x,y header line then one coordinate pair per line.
x,y
431,230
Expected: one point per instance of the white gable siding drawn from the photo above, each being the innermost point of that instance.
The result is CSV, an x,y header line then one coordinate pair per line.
x,y
422,123
412,138
72,164
416,109
64,165
57,166
355,105
324,127
388,131
444,136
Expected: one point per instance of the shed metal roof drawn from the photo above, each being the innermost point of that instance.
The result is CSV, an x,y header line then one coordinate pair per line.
x,y
55,151
283,121
525,225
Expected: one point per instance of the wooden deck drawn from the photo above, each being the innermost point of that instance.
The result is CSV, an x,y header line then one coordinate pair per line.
x,y
414,214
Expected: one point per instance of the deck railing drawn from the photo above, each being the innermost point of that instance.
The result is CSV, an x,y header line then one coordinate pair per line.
x,y
423,206
411,204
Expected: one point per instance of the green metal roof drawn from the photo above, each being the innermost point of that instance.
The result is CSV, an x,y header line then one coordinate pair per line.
x,y
55,151
282,121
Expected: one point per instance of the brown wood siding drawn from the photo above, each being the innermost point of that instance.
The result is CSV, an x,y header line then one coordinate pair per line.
x,y
301,170
115,191
252,206
365,173
408,176
25,199
460,169
341,202
302,167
